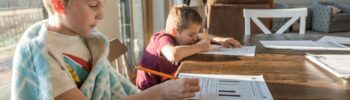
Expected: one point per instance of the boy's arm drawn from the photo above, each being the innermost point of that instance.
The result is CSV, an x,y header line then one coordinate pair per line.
x,y
72,94
177,53
227,42
173,89
170,90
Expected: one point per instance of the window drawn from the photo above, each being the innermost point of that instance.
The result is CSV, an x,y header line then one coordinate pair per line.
x,y
178,1
15,17
132,27
136,24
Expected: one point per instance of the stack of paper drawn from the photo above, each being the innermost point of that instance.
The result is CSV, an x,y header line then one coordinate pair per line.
x,y
342,40
303,45
230,87
221,50
339,65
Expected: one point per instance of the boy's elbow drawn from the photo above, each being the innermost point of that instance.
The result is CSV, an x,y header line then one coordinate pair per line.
x,y
174,55
176,58
173,58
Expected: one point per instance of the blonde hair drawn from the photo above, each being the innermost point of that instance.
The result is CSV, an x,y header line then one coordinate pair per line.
x,y
49,8
181,17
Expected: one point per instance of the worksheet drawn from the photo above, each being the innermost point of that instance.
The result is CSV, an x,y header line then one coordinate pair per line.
x,y
221,50
303,45
230,87
342,40
337,64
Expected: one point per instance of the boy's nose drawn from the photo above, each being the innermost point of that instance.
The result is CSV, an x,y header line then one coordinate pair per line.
x,y
194,39
99,16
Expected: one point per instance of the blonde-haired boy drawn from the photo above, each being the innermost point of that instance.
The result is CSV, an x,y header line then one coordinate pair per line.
x,y
65,57
177,41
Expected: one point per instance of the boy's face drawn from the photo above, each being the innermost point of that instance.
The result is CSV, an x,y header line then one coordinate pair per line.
x,y
82,16
189,35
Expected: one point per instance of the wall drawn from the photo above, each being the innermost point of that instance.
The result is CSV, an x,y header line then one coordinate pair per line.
x,y
109,25
160,9
159,12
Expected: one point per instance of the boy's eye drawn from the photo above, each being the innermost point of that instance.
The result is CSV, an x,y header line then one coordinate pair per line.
x,y
94,6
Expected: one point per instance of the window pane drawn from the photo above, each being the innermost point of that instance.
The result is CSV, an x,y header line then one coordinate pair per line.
x,y
125,28
15,17
139,28
132,23
11,4
177,2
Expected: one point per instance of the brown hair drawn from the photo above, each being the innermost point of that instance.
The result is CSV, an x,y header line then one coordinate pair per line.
x,y
49,8
181,17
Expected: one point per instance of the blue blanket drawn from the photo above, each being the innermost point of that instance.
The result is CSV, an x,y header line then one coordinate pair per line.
x,y
31,75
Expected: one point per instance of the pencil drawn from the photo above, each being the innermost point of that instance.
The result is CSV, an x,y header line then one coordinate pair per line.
x,y
157,73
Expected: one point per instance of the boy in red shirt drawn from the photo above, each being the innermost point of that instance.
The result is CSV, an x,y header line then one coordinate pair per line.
x,y
177,41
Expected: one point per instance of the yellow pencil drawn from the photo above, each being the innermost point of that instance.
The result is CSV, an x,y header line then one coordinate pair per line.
x,y
157,73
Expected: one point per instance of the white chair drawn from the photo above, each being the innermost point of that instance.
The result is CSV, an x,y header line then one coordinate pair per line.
x,y
294,14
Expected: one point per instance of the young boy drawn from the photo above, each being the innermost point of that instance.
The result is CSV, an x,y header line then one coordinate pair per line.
x,y
177,41
65,58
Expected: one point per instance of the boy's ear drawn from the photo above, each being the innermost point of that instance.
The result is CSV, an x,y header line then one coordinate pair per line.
x,y
173,32
58,6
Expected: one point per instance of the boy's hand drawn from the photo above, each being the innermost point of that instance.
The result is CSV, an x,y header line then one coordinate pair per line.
x,y
204,44
180,89
230,42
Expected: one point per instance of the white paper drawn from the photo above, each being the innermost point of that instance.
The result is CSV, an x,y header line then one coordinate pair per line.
x,y
339,65
230,87
303,45
342,40
221,50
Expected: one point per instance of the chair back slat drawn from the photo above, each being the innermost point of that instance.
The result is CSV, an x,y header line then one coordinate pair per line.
x,y
255,14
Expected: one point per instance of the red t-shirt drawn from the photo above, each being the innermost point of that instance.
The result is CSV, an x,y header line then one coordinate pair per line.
x,y
153,59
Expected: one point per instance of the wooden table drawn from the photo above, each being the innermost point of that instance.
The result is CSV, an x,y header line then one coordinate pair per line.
x,y
289,75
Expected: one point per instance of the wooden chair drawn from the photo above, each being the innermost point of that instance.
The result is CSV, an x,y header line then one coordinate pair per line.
x,y
225,17
116,49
